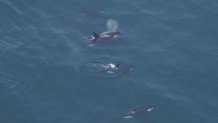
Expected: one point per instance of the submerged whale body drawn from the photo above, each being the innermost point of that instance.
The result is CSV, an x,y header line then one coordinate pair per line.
x,y
104,36
138,111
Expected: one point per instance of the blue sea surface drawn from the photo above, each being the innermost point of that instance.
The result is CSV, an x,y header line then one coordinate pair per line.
x,y
47,65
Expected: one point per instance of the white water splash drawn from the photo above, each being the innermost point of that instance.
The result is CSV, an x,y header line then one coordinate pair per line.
x,y
112,25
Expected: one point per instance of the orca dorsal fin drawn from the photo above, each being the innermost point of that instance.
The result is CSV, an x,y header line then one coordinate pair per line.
x,y
96,35
118,65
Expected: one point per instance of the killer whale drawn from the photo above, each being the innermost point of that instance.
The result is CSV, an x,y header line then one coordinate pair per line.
x,y
112,68
138,111
104,36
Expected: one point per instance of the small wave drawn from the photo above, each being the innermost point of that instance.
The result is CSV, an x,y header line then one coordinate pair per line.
x,y
14,7
8,81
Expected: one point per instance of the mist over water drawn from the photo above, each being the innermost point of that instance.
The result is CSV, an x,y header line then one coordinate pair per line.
x,y
112,25
47,66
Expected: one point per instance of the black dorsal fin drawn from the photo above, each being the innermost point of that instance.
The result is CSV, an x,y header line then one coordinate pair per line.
x,y
118,65
96,35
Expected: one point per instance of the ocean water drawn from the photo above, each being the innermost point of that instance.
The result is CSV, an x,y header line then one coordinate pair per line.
x,y
47,65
